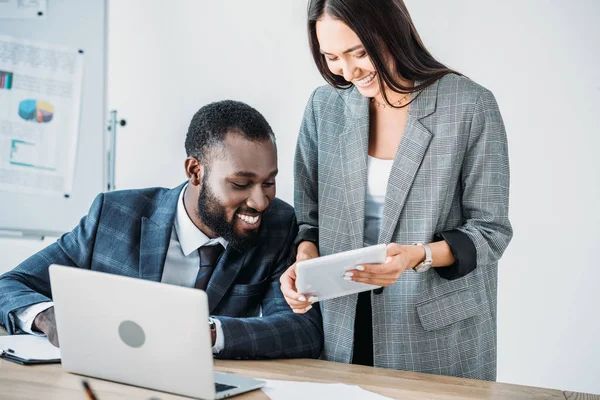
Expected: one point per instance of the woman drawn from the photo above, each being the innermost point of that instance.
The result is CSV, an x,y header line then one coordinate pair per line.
x,y
400,149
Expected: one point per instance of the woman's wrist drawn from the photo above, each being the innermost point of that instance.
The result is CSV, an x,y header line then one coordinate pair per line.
x,y
416,255
441,254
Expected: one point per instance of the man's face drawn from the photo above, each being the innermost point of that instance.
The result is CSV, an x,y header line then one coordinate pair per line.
x,y
237,188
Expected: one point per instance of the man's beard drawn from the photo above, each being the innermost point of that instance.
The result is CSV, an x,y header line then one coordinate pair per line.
x,y
213,215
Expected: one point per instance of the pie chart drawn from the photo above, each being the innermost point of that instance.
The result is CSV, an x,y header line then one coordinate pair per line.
x,y
36,111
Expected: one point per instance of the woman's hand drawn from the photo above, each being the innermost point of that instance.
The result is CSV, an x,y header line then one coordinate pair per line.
x,y
299,303
399,258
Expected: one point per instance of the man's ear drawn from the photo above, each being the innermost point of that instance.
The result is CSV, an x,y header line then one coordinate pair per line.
x,y
194,170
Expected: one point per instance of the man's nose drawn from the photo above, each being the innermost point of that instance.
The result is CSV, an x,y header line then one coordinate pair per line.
x,y
258,199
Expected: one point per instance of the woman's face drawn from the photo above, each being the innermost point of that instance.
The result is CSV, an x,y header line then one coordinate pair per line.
x,y
346,56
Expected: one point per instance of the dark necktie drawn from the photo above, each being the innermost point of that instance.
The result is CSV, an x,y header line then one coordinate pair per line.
x,y
209,255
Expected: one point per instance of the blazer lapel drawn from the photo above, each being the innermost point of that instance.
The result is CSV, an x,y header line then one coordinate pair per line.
x,y
354,145
407,161
227,269
155,236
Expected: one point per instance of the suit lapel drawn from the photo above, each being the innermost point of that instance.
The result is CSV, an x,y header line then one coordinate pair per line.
x,y
155,236
408,159
354,145
227,269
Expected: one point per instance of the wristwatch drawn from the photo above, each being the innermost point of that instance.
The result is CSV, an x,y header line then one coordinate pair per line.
x,y
425,265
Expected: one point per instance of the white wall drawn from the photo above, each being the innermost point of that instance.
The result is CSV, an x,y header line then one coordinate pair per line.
x,y
167,62
539,57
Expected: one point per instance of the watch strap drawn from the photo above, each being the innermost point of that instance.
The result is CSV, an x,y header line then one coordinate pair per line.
x,y
426,264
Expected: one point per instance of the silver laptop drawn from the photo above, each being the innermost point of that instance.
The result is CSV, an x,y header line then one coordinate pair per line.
x,y
138,332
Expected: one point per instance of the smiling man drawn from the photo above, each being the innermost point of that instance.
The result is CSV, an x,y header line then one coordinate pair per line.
x,y
222,231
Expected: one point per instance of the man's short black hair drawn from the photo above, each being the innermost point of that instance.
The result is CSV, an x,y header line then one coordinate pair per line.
x,y
211,123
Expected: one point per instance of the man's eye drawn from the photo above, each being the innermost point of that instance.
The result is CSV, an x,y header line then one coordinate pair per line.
x,y
240,186
268,184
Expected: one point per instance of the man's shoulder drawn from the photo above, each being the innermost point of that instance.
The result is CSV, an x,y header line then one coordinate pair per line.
x,y
135,196
135,203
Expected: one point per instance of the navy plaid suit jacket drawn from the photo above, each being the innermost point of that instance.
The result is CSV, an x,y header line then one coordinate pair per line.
x,y
127,233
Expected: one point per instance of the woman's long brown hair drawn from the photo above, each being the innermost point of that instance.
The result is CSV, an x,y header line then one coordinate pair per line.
x,y
386,30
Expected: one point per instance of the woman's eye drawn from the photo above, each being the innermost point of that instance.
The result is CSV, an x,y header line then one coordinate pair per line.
x,y
361,55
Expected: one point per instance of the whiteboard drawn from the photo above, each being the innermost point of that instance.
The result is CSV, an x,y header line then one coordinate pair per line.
x,y
77,25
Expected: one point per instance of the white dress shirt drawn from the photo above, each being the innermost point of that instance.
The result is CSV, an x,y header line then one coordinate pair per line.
x,y
181,268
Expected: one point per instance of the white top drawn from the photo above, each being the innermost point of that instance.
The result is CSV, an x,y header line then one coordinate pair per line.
x,y
377,180
182,264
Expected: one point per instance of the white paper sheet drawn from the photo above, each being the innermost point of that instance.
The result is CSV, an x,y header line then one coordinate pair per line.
x,y
29,347
290,390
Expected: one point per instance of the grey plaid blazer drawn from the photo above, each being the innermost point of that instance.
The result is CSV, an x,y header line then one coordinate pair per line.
x,y
450,172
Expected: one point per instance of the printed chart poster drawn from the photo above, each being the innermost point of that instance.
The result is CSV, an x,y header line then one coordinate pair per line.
x,y
40,102
23,9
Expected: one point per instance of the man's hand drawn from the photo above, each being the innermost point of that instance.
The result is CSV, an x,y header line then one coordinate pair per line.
x,y
45,323
213,331
299,303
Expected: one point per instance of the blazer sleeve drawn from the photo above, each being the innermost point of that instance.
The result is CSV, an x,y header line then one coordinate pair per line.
x,y
485,182
306,177
29,282
279,333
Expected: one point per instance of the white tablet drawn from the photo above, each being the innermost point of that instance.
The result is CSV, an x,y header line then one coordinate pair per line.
x,y
324,276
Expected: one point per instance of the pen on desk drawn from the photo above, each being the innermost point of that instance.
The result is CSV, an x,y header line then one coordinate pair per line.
x,y
88,390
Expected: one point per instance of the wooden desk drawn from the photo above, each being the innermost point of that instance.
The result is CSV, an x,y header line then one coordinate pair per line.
x,y
51,382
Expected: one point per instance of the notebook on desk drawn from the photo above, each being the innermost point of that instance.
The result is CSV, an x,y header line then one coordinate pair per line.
x,y
28,350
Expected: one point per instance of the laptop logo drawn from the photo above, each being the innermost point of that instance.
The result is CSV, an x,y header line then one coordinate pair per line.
x,y
132,334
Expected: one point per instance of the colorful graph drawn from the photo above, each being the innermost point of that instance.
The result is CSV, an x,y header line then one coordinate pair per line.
x,y
36,110
6,80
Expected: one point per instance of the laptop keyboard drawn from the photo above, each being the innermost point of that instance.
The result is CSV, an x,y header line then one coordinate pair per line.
x,y
219,387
